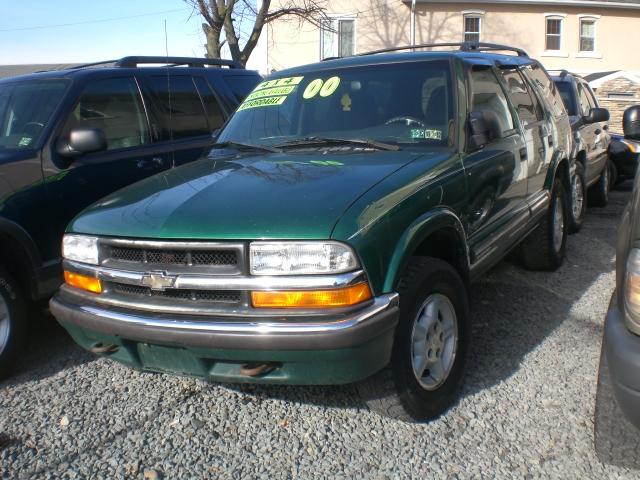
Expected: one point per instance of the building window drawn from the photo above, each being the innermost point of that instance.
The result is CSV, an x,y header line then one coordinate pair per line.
x,y
588,35
337,38
471,28
554,33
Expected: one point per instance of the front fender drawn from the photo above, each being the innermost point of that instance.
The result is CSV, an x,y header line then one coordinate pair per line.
x,y
435,220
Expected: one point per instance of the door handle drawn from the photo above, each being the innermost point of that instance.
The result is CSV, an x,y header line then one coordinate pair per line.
x,y
523,153
606,127
550,140
598,131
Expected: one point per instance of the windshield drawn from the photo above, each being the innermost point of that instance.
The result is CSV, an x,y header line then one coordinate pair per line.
x,y
567,96
26,109
399,104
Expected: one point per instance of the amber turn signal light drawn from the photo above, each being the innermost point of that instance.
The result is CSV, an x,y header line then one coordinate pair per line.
x,y
339,297
90,284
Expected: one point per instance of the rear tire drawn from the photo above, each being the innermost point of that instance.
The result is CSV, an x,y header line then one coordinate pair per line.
x,y
577,200
430,345
544,248
599,193
13,322
617,440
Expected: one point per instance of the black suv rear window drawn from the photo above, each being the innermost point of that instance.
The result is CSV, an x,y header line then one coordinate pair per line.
x,y
241,85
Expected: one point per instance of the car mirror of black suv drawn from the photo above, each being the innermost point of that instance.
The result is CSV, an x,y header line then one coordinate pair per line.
x,y
631,123
484,127
596,115
81,140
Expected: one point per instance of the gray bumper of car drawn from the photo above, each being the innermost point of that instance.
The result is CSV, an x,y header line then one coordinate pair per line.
x,y
623,353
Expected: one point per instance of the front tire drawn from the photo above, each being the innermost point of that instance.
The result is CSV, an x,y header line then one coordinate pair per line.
x,y
544,248
13,322
577,200
430,346
616,440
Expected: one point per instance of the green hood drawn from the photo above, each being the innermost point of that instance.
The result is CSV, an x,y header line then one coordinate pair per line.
x,y
271,196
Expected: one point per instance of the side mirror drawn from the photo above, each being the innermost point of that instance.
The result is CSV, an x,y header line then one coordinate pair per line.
x,y
631,123
484,128
82,140
597,115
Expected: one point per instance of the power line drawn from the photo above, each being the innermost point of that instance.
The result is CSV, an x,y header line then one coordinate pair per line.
x,y
113,19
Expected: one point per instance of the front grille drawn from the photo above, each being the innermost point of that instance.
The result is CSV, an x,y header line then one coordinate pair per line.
x,y
214,296
215,258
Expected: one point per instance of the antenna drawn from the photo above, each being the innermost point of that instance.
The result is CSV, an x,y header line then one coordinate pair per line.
x,y
166,51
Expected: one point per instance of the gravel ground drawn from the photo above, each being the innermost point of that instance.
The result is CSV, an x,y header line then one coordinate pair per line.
x,y
526,409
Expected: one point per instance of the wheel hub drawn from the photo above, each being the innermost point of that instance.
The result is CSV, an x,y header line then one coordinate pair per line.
x,y
434,341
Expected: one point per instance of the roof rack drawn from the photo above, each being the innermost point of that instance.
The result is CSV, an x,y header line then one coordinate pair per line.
x,y
462,46
134,61
563,73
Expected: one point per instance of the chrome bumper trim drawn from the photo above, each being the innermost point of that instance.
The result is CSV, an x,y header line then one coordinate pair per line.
x,y
258,327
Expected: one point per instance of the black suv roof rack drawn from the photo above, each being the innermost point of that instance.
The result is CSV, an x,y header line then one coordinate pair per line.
x,y
462,46
134,61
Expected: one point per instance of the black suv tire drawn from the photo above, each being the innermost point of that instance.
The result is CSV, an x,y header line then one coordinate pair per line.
x,y
617,441
13,322
542,250
395,391
577,200
599,193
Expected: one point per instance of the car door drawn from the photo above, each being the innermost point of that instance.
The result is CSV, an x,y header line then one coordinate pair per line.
x,y
601,134
113,105
496,174
185,112
535,127
590,138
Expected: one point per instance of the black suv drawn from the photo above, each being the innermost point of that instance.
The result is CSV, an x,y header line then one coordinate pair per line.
x,y
334,231
70,137
617,423
591,144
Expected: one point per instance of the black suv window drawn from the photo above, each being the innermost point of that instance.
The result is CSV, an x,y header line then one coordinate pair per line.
x,y
547,87
527,105
114,106
180,107
241,85
489,95
211,105
26,109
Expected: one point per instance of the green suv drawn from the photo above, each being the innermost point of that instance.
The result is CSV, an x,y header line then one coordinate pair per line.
x,y
334,230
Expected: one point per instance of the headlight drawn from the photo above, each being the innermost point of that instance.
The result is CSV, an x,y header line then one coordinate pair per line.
x,y
302,258
80,248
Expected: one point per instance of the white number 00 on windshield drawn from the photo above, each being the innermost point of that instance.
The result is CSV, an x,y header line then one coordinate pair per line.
x,y
323,88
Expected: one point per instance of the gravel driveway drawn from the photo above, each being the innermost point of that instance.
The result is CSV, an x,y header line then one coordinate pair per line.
x,y
526,409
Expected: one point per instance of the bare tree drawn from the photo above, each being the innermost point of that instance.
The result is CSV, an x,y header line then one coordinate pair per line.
x,y
224,21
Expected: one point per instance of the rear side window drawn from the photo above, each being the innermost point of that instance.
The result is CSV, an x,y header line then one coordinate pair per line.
x,y
211,105
548,89
566,92
182,113
114,106
488,95
583,98
528,107
241,85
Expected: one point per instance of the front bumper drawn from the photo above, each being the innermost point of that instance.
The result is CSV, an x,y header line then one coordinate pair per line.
x,y
321,350
623,354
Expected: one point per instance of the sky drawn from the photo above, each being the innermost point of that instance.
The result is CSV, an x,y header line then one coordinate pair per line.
x,y
74,31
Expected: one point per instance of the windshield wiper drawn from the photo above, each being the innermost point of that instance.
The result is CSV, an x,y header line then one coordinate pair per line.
x,y
247,146
310,141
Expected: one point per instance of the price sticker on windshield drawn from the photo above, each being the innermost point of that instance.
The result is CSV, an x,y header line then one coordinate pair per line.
x,y
319,86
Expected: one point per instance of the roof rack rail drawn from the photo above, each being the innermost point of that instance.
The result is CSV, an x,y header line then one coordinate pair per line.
x,y
134,61
462,46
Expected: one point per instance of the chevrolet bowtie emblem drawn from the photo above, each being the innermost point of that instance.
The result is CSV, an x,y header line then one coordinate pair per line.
x,y
158,280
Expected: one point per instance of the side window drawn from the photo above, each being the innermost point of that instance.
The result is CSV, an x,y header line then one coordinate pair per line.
x,y
548,88
583,98
211,105
527,105
180,107
114,106
591,96
241,85
487,94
